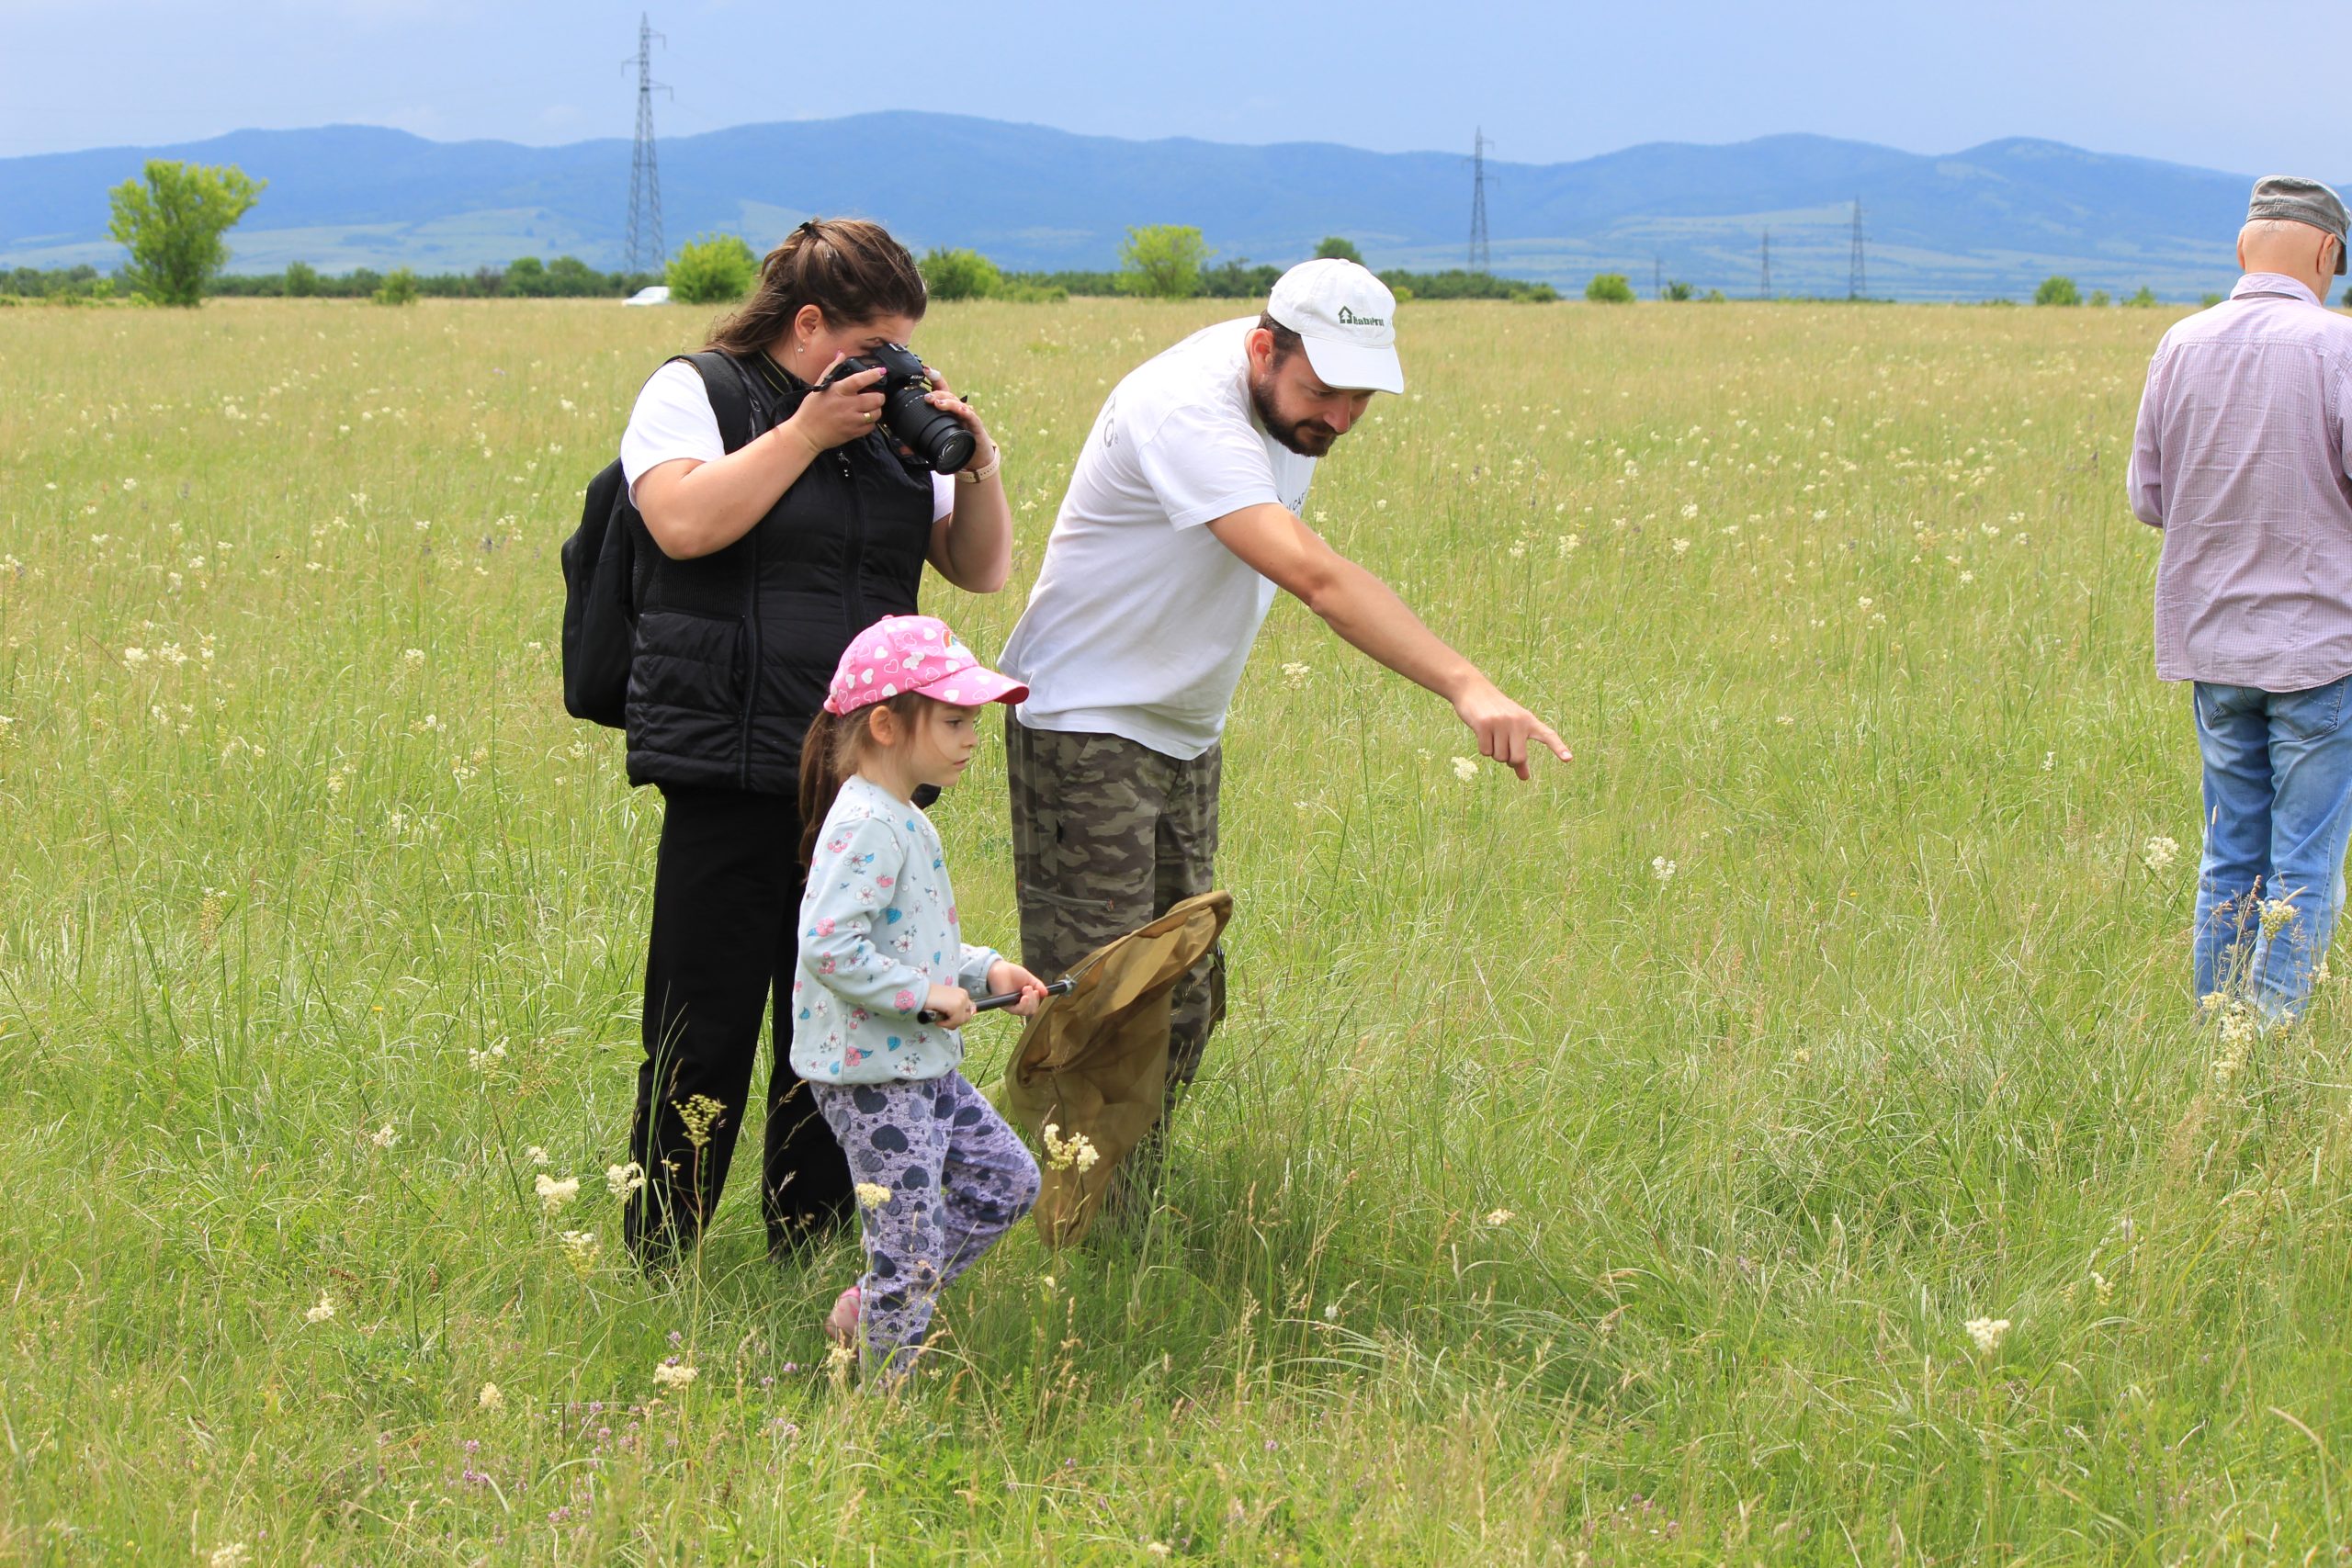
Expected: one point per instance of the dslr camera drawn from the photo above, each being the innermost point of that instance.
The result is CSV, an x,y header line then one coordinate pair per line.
x,y
938,440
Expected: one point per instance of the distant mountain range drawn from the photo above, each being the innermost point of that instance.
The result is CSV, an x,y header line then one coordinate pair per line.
x,y
1990,222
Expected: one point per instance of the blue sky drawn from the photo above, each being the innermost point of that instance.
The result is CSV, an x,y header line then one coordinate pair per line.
x,y
1548,81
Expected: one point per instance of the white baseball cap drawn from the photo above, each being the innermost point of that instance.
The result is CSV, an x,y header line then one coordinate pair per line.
x,y
1347,319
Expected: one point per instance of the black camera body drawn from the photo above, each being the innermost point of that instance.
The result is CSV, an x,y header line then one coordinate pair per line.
x,y
938,440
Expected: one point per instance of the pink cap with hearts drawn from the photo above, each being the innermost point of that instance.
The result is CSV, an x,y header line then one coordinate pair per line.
x,y
914,653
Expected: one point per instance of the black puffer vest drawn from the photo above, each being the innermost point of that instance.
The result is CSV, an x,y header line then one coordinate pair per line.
x,y
735,650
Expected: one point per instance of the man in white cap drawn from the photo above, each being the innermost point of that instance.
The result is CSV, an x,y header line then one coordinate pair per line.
x,y
1182,520
2244,457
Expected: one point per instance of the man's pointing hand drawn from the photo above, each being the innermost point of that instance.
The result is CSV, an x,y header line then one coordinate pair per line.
x,y
1504,728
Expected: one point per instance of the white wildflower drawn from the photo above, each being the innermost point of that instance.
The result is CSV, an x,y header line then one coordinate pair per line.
x,y
322,1312
672,1373
536,1154
554,1194
623,1179
384,1137
1075,1152
490,1398
1987,1331
872,1195
580,1249
1500,1217
1662,868
1466,768
2160,853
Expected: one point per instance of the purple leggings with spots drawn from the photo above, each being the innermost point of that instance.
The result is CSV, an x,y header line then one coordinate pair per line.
x,y
958,1177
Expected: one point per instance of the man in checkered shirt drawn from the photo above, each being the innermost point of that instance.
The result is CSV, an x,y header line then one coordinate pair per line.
x,y
2244,457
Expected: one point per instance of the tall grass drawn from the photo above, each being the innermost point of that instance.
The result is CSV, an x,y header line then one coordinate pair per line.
x,y
1601,1169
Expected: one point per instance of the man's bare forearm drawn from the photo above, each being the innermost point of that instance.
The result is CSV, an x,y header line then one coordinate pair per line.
x,y
1369,617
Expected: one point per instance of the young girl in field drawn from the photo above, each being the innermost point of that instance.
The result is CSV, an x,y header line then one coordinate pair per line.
x,y
939,1177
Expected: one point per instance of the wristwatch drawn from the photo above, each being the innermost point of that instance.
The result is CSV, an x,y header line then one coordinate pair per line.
x,y
974,476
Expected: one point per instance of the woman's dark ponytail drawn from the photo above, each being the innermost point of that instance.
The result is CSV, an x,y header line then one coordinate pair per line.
x,y
850,268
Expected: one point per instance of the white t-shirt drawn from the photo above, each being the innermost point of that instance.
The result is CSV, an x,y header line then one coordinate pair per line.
x,y
673,419
1141,619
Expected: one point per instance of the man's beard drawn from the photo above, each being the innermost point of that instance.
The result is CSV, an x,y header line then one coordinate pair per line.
x,y
1308,437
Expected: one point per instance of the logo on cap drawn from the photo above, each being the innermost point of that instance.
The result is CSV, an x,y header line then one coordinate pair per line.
x,y
1350,319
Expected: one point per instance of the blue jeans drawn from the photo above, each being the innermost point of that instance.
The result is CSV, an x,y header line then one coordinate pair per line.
x,y
2278,814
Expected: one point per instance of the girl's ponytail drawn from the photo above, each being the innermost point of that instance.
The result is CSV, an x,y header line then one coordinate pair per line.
x,y
828,757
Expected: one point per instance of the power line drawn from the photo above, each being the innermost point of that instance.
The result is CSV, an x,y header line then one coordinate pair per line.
x,y
645,247
1481,258
1857,283
1658,276
1764,286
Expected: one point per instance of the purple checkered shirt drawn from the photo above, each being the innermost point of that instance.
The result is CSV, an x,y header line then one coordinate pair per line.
x,y
2242,458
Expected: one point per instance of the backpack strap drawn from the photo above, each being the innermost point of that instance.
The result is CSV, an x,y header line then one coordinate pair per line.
x,y
723,378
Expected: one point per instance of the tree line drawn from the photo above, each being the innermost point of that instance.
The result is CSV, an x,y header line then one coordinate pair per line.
x,y
1172,262
173,221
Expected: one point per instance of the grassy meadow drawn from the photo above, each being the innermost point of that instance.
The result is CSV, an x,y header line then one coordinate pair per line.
x,y
1598,1170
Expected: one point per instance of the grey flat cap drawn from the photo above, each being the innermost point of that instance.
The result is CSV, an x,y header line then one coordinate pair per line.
x,y
2300,201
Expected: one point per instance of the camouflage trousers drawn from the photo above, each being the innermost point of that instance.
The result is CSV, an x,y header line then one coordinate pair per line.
x,y
1108,835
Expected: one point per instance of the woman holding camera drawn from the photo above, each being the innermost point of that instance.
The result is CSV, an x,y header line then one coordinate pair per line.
x,y
771,558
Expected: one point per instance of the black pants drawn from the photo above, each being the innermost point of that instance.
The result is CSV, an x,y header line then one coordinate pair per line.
x,y
726,894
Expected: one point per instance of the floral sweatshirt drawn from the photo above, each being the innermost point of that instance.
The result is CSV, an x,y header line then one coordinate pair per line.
x,y
877,930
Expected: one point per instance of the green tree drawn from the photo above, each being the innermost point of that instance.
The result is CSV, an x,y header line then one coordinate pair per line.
x,y
526,277
2099,297
398,287
1678,291
960,274
1609,288
1163,261
302,280
1236,279
2057,290
1335,245
2143,301
569,277
172,224
710,269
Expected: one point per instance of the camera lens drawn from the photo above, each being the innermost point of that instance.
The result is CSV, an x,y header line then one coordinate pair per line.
x,y
939,439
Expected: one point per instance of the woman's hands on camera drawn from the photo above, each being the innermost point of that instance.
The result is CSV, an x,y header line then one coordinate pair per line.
x,y
842,411
942,398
